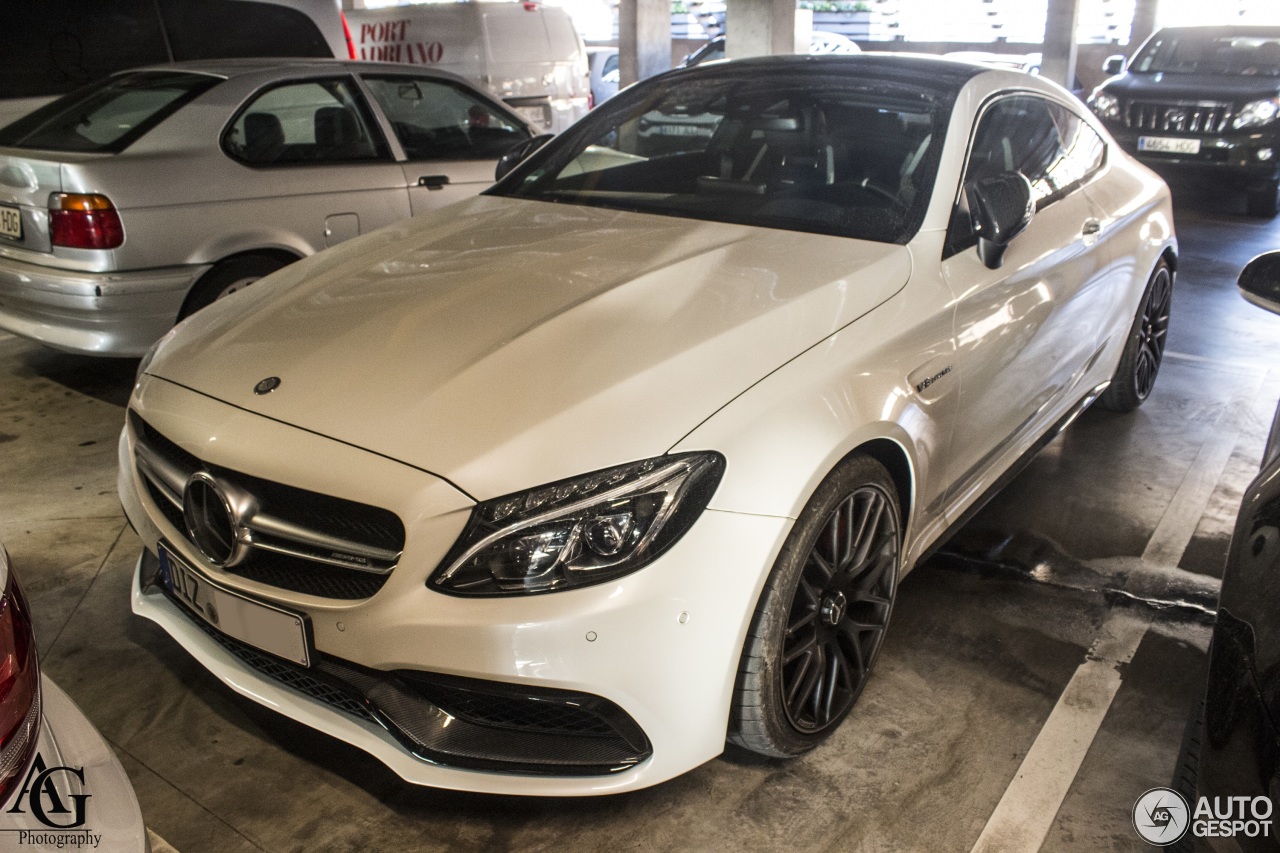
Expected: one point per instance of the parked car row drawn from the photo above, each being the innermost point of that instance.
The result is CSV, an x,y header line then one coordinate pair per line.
x,y
543,489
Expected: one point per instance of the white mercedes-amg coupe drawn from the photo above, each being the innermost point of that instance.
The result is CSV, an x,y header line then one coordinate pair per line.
x,y
553,490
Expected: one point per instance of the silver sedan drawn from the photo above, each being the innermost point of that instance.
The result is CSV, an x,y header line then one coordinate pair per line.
x,y
135,202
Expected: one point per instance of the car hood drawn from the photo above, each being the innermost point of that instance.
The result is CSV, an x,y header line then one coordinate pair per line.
x,y
1234,88
502,343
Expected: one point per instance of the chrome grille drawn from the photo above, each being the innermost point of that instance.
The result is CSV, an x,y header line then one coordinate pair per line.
x,y
297,540
1178,117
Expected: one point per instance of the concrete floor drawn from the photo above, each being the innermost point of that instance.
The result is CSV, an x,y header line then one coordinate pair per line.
x,y
1122,521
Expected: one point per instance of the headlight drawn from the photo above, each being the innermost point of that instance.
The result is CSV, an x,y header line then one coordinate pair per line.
x,y
1104,105
581,531
1255,113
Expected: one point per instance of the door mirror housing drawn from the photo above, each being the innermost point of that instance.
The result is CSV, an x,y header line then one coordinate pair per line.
x,y
518,153
1260,281
1113,65
1001,208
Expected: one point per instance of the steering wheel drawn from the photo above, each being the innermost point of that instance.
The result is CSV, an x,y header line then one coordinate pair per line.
x,y
881,190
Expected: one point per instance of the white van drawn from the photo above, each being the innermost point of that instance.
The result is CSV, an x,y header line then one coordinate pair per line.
x,y
527,54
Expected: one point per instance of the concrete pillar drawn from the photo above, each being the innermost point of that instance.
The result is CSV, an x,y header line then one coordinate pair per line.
x,y
644,39
1058,62
1144,23
759,27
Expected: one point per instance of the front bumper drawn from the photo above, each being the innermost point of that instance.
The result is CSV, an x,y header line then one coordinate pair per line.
x,y
661,645
113,314
112,820
1235,156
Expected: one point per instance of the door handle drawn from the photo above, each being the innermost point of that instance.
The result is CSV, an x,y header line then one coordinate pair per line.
x,y
1091,231
433,182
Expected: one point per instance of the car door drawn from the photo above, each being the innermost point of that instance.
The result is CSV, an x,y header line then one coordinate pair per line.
x,y
322,168
452,136
1026,331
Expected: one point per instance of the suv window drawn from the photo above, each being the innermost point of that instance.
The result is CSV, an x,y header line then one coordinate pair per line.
x,y
435,120
309,122
56,46
108,116
1050,145
215,29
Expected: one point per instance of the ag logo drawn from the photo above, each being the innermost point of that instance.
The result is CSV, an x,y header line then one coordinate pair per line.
x,y
45,801
1161,816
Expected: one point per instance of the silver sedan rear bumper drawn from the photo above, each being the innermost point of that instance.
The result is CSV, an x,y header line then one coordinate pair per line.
x,y
113,313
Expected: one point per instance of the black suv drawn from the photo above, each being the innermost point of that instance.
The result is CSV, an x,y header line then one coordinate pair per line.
x,y
1202,98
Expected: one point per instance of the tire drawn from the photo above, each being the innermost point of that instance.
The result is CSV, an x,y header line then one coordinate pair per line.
x,y
826,606
1264,201
1135,376
226,278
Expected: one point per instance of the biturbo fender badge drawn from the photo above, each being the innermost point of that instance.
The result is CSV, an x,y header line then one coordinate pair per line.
x,y
929,379
267,385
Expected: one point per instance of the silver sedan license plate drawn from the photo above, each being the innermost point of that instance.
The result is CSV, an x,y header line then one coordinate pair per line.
x,y
10,222
262,626
1168,145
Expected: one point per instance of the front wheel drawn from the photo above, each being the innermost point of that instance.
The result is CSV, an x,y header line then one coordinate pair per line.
x,y
226,278
1135,376
822,616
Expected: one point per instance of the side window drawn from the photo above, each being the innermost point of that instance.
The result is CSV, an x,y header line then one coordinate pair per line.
x,y
209,29
1083,151
55,46
316,121
435,120
1050,145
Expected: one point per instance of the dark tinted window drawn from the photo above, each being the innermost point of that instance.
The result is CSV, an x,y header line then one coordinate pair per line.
x,y
107,116
55,46
312,121
804,151
215,29
437,120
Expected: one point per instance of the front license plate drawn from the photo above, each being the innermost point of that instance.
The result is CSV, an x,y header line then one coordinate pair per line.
x,y
1168,145
262,626
10,222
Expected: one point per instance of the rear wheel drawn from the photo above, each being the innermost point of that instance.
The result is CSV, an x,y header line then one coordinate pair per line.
x,y
1264,201
822,616
1135,376
226,278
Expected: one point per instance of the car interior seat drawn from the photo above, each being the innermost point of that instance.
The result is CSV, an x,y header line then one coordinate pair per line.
x,y
337,134
263,137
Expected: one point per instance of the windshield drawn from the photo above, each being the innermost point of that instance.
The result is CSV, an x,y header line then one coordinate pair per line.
x,y
828,153
107,116
1210,52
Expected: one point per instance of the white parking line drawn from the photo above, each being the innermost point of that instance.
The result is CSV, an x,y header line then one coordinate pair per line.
x,y
1025,814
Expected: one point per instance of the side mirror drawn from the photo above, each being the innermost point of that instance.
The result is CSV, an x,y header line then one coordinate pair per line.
x,y
1114,65
1260,281
518,153
1001,208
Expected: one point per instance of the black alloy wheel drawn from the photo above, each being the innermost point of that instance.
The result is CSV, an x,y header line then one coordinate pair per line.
x,y
1135,376
840,611
822,615
1153,329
